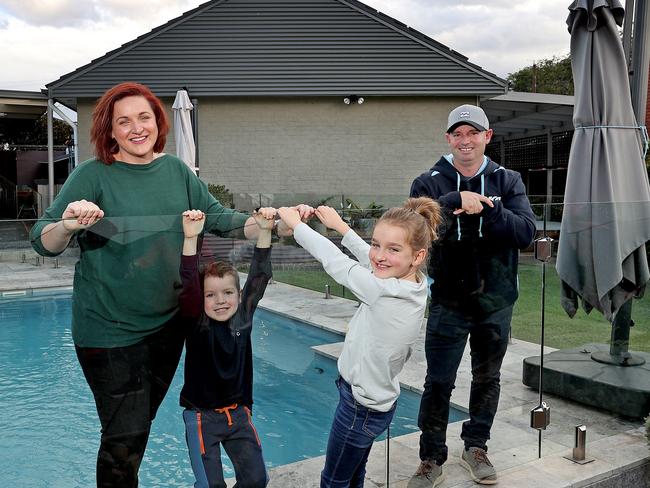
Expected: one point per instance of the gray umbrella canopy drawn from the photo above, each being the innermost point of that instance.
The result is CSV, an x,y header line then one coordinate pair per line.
x,y
606,219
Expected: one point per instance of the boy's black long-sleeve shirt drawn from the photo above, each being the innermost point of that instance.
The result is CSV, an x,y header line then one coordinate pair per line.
x,y
218,355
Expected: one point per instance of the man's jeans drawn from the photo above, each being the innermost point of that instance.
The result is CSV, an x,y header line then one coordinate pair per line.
x,y
446,336
354,429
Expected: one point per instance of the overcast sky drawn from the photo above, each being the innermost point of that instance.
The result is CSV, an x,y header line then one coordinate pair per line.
x,y
41,40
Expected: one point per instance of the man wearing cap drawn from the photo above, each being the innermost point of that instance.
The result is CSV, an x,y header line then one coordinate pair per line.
x,y
473,264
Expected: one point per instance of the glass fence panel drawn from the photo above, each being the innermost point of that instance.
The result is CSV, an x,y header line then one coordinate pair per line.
x,y
297,338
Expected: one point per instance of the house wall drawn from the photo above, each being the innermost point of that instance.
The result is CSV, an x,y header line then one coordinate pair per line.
x,y
314,145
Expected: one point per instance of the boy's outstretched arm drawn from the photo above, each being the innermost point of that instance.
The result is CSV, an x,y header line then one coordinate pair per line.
x,y
260,270
191,297
264,218
193,222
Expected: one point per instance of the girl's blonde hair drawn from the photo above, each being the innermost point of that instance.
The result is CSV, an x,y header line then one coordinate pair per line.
x,y
419,217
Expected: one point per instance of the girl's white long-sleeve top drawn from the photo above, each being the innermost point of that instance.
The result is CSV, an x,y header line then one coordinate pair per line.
x,y
384,328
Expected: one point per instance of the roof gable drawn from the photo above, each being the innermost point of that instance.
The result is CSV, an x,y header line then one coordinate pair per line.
x,y
283,48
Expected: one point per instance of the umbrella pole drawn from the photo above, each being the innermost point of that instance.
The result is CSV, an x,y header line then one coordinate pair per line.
x,y
619,354
621,330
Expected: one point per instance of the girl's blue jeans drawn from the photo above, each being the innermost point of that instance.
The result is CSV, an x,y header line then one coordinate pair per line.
x,y
354,429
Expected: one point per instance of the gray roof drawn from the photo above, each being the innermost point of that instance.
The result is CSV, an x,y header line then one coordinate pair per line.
x,y
283,48
519,113
22,94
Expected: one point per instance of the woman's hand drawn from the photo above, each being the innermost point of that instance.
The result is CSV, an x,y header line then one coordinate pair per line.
x,y
193,222
80,214
331,219
290,216
265,217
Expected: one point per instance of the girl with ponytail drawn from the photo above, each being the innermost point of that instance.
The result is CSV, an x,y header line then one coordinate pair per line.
x,y
388,280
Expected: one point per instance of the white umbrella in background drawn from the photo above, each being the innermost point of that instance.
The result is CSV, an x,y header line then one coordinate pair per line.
x,y
183,134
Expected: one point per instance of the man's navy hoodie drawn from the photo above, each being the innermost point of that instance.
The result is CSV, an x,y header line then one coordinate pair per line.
x,y
474,261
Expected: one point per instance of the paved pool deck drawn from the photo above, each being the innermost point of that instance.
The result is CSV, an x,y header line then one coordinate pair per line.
x,y
618,445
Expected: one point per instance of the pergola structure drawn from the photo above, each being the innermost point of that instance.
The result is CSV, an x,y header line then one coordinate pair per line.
x,y
15,104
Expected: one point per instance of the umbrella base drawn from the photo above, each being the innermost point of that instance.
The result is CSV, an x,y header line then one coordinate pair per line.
x,y
573,374
625,359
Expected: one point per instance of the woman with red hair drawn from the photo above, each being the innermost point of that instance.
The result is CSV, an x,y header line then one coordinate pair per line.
x,y
124,209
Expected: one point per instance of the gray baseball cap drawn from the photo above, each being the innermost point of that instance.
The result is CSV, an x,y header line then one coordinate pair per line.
x,y
468,114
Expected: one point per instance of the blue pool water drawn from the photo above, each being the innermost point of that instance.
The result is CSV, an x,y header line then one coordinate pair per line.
x,y
49,431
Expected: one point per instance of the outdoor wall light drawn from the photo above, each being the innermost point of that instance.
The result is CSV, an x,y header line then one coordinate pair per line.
x,y
352,99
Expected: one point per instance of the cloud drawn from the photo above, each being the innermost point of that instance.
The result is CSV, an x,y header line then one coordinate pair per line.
x,y
79,13
501,36
45,39
51,12
37,55
38,49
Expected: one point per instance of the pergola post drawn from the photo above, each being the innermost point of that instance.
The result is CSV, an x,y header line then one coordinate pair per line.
x,y
50,152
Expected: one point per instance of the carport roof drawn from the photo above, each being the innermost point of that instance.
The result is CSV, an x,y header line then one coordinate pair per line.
x,y
16,104
519,113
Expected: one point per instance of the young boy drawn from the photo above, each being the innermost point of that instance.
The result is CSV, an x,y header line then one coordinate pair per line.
x,y
218,390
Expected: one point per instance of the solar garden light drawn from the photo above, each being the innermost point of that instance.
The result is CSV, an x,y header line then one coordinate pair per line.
x,y
328,294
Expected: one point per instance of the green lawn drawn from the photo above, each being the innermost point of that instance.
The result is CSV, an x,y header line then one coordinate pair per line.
x,y
561,331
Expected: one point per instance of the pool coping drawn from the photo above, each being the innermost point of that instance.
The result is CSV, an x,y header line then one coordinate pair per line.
x,y
616,444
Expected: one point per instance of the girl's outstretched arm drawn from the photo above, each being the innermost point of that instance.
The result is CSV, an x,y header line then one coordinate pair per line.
x,y
346,271
331,219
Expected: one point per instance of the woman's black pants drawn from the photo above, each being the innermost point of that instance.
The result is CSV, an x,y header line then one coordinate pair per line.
x,y
129,384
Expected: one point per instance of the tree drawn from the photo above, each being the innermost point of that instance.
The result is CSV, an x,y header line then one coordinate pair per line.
x,y
33,132
552,75
60,130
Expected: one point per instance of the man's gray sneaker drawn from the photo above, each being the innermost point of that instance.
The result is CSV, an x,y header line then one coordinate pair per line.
x,y
428,475
475,460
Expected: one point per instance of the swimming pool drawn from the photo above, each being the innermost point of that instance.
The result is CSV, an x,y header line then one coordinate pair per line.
x,y
49,426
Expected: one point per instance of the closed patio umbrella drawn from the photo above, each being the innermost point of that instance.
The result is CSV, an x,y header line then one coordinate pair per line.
x,y
183,134
606,220
605,223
